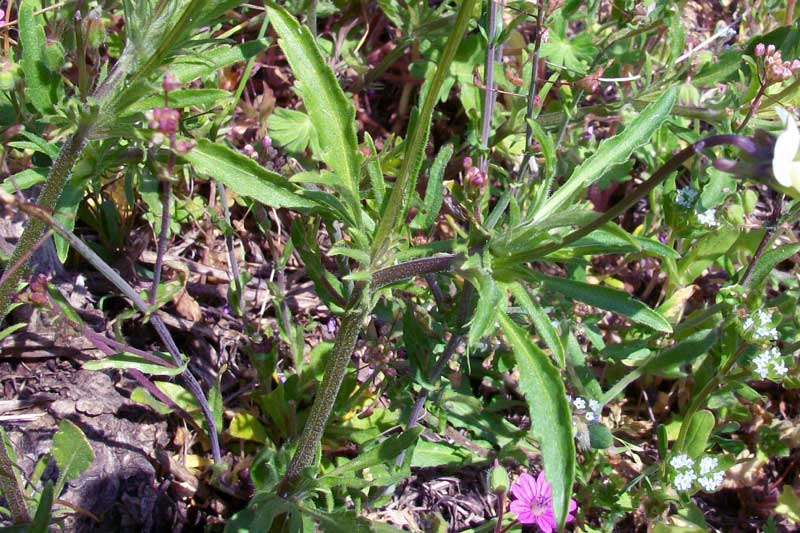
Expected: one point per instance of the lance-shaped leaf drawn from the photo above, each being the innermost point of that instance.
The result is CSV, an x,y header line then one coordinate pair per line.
x,y
244,176
612,152
330,111
419,132
41,84
608,299
768,261
551,422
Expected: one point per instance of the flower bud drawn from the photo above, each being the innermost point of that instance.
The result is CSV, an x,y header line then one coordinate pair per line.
x,y
170,82
95,29
498,478
760,49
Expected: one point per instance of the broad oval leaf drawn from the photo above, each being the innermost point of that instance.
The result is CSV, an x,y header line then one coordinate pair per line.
x,y
612,152
699,428
244,176
330,111
551,421
72,452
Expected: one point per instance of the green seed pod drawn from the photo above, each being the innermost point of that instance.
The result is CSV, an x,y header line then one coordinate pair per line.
x,y
498,478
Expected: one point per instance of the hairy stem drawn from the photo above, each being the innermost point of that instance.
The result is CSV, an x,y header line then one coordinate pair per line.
x,y
51,191
310,439
10,484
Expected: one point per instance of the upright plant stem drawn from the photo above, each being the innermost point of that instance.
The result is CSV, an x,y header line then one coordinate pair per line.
x,y
233,262
490,88
51,191
537,44
166,200
311,19
310,439
10,484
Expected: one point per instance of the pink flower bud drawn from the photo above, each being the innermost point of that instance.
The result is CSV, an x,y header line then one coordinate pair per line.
x,y
184,146
2,16
266,142
770,49
170,82
760,49
164,120
467,162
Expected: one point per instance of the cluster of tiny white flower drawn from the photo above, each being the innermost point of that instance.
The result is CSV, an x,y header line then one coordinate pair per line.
x,y
708,218
706,474
764,331
594,411
686,197
770,361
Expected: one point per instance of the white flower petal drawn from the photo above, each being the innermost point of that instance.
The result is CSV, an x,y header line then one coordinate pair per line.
x,y
786,148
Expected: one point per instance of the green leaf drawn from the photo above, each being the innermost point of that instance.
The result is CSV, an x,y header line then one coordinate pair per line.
x,y
417,139
72,452
667,361
603,241
244,176
293,130
700,426
41,521
247,427
544,326
433,190
704,252
125,361
202,98
331,112
143,396
375,171
190,67
380,454
611,152
489,300
551,421
24,180
41,84
789,504
574,52
767,262
608,299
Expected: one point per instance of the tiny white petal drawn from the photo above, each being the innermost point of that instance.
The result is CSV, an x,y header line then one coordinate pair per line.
x,y
786,148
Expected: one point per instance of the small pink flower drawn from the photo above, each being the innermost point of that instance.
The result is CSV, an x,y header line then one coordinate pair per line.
x,y
467,162
2,16
760,49
164,120
170,82
534,502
